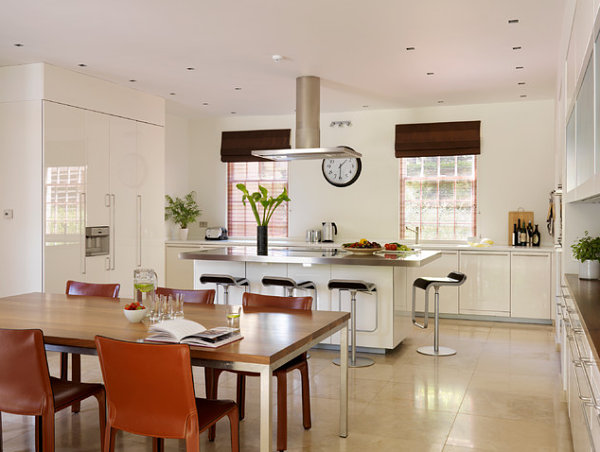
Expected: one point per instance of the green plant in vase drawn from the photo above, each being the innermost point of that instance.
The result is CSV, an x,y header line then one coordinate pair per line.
x,y
182,212
587,251
269,204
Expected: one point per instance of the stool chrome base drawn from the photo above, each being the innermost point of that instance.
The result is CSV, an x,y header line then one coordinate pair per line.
x,y
430,350
359,362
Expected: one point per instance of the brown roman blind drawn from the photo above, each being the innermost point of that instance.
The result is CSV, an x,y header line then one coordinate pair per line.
x,y
437,139
237,146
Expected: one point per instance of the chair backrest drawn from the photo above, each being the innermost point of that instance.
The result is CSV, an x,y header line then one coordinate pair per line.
x,y
149,387
24,378
90,289
255,300
190,296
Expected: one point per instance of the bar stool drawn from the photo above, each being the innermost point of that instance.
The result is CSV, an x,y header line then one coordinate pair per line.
x,y
453,279
289,285
354,286
225,281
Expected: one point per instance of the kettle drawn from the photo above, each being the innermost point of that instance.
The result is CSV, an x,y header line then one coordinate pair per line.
x,y
329,231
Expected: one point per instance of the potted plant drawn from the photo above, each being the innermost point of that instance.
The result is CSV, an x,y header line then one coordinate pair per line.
x,y
182,212
587,251
269,205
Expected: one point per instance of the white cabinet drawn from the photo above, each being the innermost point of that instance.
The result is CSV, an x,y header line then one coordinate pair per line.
x,y
530,285
255,272
440,267
487,289
179,273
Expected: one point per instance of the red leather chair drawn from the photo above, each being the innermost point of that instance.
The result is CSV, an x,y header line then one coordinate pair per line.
x,y
258,301
190,296
150,391
90,290
26,387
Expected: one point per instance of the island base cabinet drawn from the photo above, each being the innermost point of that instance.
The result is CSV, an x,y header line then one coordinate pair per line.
x,y
487,288
236,269
438,268
530,285
374,313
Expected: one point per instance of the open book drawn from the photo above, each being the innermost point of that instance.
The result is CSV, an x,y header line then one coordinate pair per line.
x,y
192,333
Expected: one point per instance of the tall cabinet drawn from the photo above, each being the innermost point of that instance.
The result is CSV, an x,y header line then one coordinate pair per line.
x,y
101,170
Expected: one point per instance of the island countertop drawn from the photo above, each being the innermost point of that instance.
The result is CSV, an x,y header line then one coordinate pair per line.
x,y
311,255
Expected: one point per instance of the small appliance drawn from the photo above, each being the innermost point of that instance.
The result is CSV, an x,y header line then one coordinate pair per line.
x,y
216,233
329,231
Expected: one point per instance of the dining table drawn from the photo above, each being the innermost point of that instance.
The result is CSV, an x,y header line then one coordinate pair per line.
x,y
270,338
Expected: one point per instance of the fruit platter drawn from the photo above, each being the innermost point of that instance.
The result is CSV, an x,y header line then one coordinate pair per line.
x,y
363,246
394,250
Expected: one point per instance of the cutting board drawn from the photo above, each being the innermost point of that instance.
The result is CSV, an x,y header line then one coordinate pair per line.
x,y
513,217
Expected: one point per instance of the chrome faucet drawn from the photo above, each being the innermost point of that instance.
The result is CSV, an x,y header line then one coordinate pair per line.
x,y
416,231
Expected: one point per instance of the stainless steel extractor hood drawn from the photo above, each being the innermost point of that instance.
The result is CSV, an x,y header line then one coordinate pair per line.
x,y
308,100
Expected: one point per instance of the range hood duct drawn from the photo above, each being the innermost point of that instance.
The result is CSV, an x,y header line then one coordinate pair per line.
x,y
308,132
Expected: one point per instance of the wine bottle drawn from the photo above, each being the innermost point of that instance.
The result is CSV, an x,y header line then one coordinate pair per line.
x,y
514,235
518,237
536,237
529,234
523,235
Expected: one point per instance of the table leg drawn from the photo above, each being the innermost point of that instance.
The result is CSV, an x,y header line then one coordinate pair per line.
x,y
344,381
266,409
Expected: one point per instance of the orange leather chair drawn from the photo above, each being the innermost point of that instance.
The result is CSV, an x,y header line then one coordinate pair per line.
x,y
91,290
26,387
258,301
150,392
190,296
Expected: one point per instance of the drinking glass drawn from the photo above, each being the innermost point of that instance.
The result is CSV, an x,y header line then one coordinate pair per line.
x,y
233,315
178,306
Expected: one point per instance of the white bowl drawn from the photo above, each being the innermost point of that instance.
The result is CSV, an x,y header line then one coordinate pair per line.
x,y
136,315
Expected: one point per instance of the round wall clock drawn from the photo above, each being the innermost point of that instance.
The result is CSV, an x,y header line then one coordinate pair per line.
x,y
341,172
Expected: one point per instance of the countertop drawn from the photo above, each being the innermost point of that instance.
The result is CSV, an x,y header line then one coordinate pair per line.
x,y
312,255
586,295
337,245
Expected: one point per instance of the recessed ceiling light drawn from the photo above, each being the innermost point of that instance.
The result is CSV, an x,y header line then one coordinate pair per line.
x,y
276,58
513,21
133,80
204,103
18,44
430,73
518,67
517,48
523,95
82,65
191,68
520,83
237,88
410,48
172,94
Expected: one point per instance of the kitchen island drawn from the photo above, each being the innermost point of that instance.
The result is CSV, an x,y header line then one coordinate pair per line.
x,y
383,320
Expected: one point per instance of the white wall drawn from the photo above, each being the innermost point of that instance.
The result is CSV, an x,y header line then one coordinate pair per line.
x,y
515,169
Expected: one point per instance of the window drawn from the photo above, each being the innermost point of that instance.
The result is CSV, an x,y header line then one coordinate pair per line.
x,y
271,175
63,204
438,194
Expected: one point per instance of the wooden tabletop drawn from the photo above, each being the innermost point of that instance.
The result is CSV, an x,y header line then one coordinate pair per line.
x,y
75,321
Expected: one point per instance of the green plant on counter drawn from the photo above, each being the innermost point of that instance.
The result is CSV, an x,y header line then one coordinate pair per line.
x,y
268,203
587,248
182,211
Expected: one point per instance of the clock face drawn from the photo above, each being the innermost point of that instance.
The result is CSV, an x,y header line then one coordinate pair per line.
x,y
341,172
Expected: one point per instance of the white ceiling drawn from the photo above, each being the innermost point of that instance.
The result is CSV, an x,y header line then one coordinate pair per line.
x,y
357,47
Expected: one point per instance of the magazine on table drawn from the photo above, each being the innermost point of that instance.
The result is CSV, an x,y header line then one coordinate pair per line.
x,y
185,331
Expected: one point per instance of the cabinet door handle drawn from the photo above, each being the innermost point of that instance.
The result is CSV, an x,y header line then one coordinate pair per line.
x,y
82,222
481,253
139,230
113,230
531,254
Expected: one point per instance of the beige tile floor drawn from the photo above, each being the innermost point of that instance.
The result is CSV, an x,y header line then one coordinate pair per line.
x,y
501,392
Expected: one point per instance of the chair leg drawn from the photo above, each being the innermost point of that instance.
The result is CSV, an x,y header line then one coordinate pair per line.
x,y
241,395
101,397
281,410
76,378
1,442
212,391
47,439
38,433
192,442
110,434
305,396
158,445
64,365
234,423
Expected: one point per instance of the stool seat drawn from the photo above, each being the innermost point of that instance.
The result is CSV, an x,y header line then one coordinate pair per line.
x,y
309,285
351,284
224,279
453,279
278,281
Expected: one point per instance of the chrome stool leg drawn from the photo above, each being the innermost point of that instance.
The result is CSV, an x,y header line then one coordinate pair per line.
x,y
436,350
226,294
354,361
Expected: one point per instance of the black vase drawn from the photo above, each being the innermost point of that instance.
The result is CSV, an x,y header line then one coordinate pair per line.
x,y
262,240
